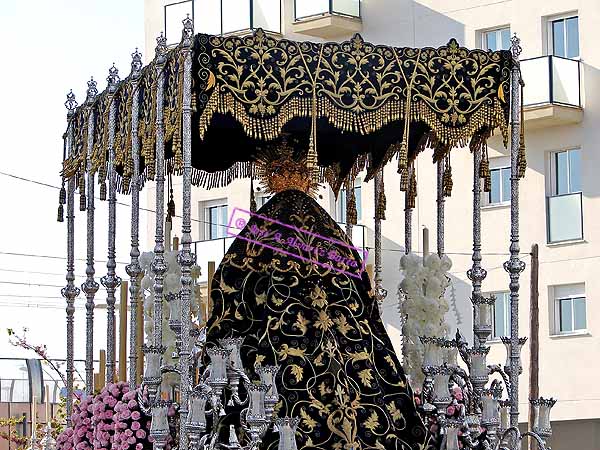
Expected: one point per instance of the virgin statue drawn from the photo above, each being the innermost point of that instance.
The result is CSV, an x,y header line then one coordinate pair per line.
x,y
291,285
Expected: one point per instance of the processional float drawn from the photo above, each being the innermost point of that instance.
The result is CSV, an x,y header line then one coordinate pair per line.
x,y
349,106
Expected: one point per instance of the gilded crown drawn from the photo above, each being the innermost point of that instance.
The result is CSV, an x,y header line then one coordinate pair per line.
x,y
280,169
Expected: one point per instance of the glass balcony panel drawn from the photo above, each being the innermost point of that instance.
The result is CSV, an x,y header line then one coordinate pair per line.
x,y
236,15
174,15
554,81
267,15
565,221
565,77
537,80
207,16
347,7
306,8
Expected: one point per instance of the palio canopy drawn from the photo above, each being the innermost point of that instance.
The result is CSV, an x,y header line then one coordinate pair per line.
x,y
362,104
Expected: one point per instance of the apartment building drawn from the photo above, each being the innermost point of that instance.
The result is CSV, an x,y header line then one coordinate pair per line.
x,y
559,194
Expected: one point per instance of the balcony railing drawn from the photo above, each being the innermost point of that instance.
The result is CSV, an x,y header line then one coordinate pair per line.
x,y
551,80
215,249
222,16
565,217
304,9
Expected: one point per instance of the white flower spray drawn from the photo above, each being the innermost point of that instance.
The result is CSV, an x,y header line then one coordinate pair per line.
x,y
172,284
422,307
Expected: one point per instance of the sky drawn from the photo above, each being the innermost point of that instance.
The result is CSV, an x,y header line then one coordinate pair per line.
x,y
49,48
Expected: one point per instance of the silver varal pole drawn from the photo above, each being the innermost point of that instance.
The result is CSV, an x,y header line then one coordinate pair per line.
x,y
186,259
476,273
90,286
70,292
159,266
440,207
380,292
514,266
111,281
133,269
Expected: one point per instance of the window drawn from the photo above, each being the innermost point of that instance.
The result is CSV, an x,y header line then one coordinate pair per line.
x,y
569,308
498,39
216,220
564,203
261,199
567,169
501,322
500,192
564,36
341,203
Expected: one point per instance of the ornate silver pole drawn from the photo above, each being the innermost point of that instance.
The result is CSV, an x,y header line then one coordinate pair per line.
x,y
186,259
380,293
514,266
111,281
350,185
407,229
90,286
70,291
441,202
159,266
133,269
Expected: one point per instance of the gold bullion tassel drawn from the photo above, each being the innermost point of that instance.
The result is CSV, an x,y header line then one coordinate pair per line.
x,y
402,155
62,199
312,158
522,156
381,202
351,212
447,178
61,213
82,201
484,171
253,207
404,180
411,193
102,180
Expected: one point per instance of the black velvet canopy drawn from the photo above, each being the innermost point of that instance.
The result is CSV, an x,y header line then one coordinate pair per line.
x,y
364,103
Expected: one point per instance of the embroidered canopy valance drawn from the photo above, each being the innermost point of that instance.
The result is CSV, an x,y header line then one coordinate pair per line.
x,y
356,104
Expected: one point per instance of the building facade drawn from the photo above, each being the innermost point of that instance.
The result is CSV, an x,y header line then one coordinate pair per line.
x,y
559,201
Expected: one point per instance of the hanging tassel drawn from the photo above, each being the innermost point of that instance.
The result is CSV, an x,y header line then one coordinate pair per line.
x,y
351,212
484,171
103,191
381,202
253,207
447,179
402,155
102,181
404,180
411,194
62,194
82,200
522,156
171,203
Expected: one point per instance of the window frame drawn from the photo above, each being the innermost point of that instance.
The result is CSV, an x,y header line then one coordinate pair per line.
x,y
557,314
552,191
207,206
340,207
487,200
483,35
550,33
261,196
506,298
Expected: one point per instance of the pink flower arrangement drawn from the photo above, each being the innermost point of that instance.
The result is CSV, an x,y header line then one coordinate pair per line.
x,y
113,420
131,425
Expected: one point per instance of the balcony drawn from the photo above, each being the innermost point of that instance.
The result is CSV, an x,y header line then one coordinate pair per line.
x,y
327,19
214,250
565,218
222,17
552,94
